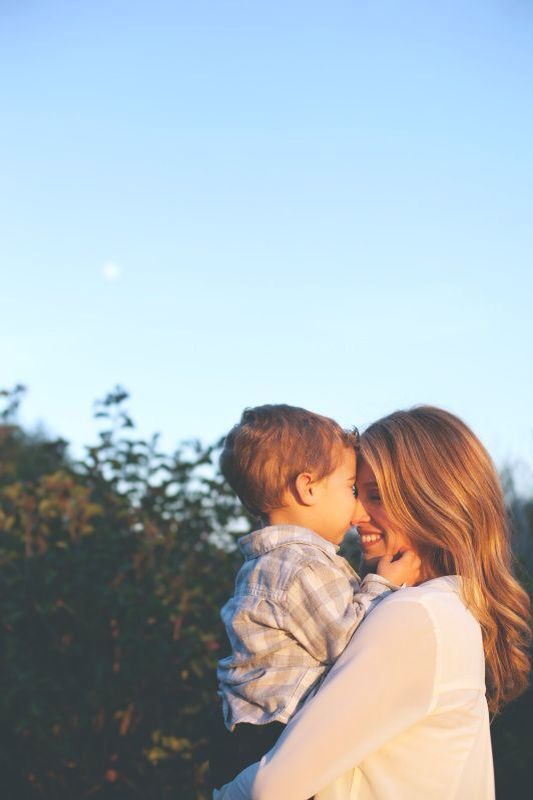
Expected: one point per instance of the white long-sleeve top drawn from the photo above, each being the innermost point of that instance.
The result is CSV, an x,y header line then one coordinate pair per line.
x,y
402,714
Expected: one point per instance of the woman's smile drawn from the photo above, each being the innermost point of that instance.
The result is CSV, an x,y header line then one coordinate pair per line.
x,y
369,538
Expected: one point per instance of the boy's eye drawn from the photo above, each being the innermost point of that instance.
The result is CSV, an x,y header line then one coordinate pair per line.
x,y
355,491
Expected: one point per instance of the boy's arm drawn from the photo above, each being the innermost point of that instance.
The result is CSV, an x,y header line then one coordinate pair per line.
x,y
324,609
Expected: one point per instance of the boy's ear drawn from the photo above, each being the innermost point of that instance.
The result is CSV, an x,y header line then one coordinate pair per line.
x,y
305,489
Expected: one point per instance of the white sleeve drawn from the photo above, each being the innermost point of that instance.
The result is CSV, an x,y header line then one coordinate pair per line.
x,y
382,684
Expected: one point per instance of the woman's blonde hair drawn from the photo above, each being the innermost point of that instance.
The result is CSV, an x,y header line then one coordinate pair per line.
x,y
439,486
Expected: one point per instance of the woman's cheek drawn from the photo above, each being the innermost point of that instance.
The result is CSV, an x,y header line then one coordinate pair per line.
x,y
396,542
393,542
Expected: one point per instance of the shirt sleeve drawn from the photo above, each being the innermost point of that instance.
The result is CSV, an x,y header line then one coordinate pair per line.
x,y
324,608
381,685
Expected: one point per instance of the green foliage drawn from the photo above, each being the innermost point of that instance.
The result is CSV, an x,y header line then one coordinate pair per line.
x,y
112,582
112,574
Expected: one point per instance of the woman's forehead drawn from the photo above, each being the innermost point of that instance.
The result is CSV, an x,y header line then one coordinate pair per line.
x,y
364,472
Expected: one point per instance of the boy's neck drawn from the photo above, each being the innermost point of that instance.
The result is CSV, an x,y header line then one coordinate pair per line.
x,y
291,516
297,516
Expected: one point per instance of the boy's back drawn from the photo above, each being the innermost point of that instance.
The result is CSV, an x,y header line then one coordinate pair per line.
x,y
295,607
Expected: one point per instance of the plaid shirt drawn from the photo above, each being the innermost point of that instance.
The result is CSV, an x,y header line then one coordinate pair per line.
x,y
295,608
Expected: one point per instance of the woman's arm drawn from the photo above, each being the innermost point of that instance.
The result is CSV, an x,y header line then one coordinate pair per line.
x,y
382,684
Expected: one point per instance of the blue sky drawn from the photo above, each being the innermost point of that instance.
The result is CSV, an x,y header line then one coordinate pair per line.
x,y
220,204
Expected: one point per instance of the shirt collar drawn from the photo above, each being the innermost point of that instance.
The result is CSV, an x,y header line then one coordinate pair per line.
x,y
262,541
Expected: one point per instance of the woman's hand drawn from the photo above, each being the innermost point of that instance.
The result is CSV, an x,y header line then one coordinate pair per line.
x,y
399,568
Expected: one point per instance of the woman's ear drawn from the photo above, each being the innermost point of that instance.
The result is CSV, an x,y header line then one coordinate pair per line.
x,y
305,489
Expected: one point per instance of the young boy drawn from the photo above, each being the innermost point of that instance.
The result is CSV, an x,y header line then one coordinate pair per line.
x,y
296,602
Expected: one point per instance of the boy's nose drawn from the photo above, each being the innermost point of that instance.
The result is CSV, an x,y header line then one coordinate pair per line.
x,y
359,515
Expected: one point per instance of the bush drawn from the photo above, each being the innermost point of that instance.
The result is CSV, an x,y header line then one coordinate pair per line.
x,y
112,580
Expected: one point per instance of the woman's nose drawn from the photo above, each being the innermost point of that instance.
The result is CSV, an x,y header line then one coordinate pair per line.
x,y
360,515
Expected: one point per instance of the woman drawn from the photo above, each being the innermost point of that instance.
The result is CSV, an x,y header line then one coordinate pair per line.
x,y
404,712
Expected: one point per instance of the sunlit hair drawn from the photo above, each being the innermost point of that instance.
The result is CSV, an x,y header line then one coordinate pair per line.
x,y
439,487
271,445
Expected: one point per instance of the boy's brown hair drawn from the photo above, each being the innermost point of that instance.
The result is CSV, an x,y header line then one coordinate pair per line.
x,y
271,445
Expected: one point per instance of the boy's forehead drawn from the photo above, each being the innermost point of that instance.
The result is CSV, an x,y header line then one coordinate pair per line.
x,y
348,460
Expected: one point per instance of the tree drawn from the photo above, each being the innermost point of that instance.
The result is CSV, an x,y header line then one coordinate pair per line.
x,y
112,579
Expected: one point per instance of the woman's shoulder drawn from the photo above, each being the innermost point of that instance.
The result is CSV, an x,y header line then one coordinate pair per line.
x,y
424,632
439,602
441,597
437,591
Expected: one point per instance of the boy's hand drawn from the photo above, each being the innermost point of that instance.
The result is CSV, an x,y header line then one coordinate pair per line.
x,y
404,569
